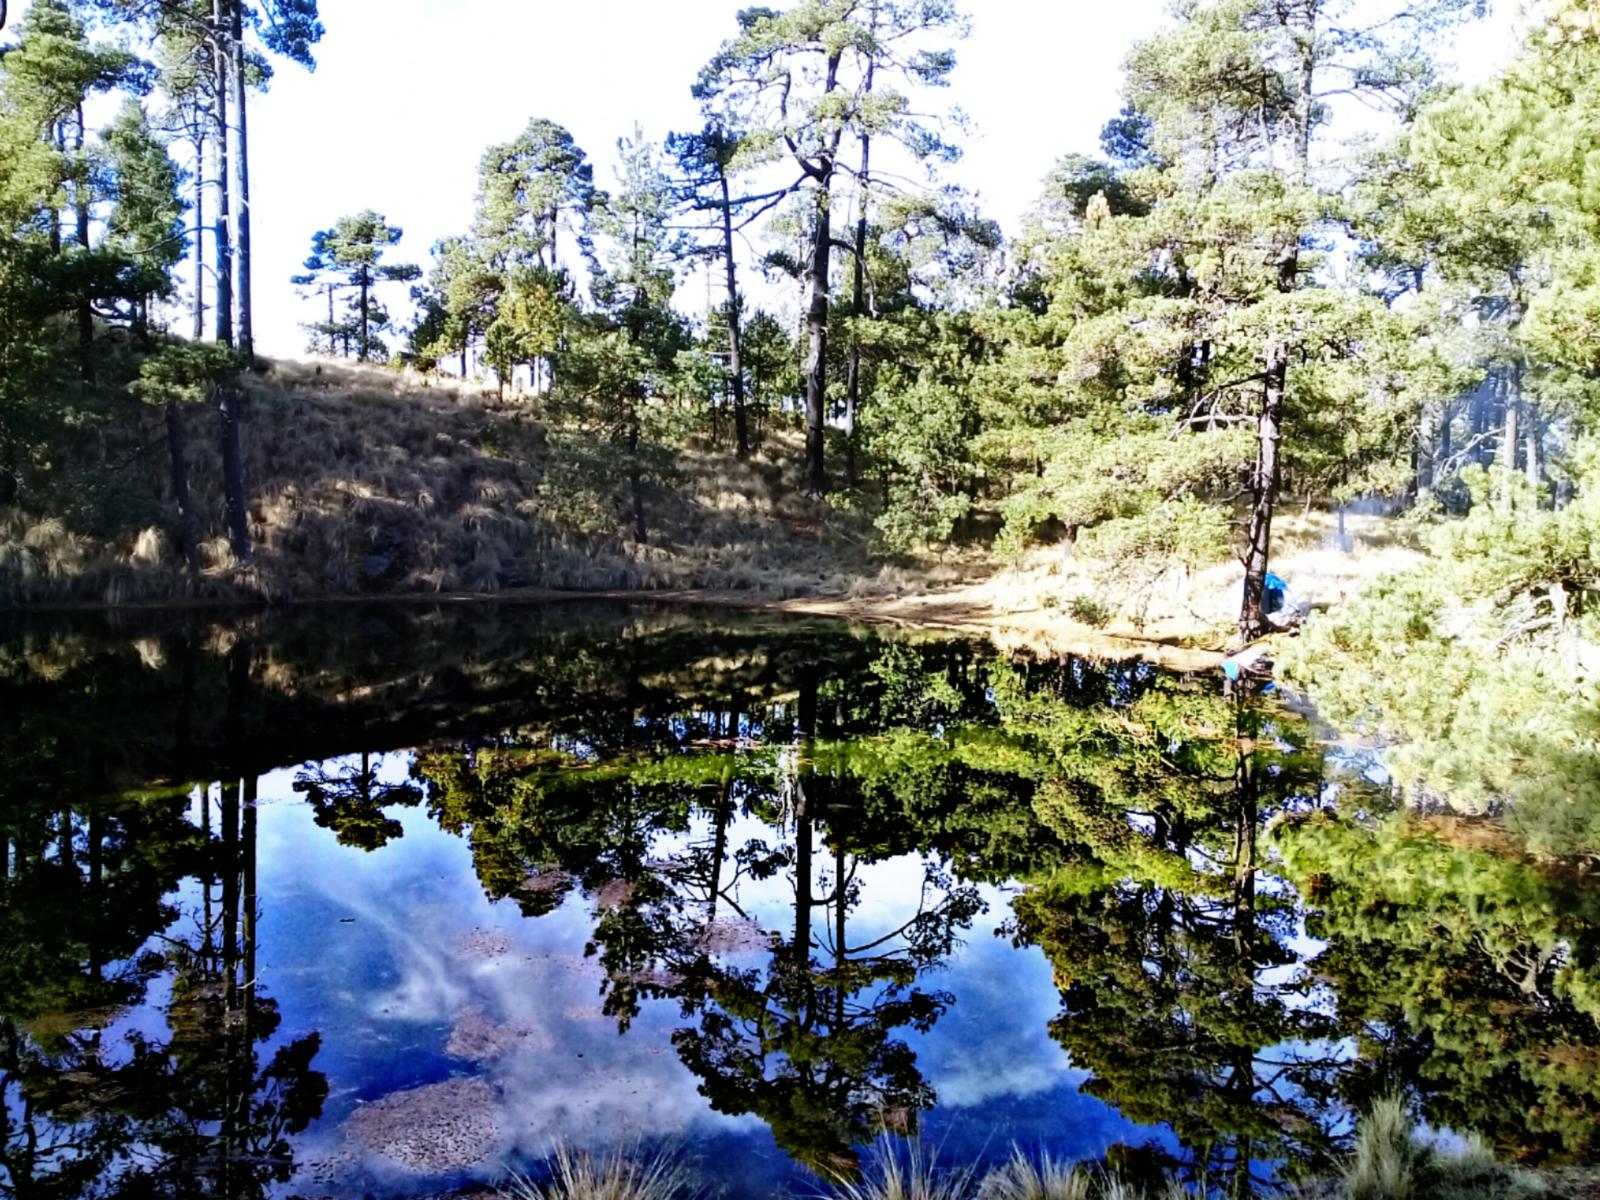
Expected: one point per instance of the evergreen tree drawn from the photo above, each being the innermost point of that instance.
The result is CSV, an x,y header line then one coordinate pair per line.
x,y
349,256
800,82
146,221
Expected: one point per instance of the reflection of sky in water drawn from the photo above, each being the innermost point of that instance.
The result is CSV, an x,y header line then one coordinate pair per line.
x,y
395,955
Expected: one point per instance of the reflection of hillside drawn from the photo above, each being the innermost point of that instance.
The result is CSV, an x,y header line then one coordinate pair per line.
x,y
151,700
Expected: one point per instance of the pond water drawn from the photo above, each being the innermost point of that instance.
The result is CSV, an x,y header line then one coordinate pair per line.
x,y
392,902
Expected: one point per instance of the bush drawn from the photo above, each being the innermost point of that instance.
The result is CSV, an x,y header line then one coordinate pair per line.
x,y
1086,610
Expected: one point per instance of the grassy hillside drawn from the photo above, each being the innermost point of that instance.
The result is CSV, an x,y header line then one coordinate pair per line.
x,y
364,481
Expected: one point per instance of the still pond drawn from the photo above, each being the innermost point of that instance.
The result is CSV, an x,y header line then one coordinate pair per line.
x,y
392,902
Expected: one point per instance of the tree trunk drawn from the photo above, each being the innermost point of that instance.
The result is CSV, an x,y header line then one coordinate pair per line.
x,y
180,488
858,305
80,204
641,533
231,1083
1532,439
1508,439
220,27
199,233
247,982
817,343
1446,416
247,350
1430,435
366,335
230,405
804,833
1263,494
741,419
60,140
1269,422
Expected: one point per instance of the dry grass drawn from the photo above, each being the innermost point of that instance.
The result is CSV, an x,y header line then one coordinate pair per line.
x,y
613,1175
1199,606
1043,1178
368,481
912,1175
364,480
1391,1161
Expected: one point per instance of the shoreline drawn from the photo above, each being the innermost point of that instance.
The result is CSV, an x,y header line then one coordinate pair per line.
x,y
960,611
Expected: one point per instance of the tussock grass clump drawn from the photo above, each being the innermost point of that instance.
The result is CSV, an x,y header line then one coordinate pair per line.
x,y
1022,1177
1391,1162
612,1175
912,1175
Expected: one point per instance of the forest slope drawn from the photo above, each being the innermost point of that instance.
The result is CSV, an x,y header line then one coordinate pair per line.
x,y
364,481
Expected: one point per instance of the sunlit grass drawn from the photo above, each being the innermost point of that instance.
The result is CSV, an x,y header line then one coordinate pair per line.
x,y
367,480
911,1174
611,1175
1023,1177
1391,1162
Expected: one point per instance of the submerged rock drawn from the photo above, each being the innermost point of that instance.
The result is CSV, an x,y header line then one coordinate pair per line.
x,y
432,1129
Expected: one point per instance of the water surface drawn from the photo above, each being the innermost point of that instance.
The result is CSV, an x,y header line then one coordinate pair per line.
x,y
390,902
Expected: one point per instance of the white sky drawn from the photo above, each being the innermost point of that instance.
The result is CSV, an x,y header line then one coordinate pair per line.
x,y
402,106
408,93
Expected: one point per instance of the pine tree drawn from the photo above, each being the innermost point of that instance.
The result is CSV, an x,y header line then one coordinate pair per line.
x,y
800,82
349,257
146,221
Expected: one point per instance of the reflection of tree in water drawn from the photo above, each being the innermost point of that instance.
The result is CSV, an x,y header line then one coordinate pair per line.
x,y
809,1043
349,798
1464,970
1171,953
638,761
809,1039
86,893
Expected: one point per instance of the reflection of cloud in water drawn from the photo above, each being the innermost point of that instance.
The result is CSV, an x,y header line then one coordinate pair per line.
x,y
479,1038
438,980
441,970
995,1040
432,1130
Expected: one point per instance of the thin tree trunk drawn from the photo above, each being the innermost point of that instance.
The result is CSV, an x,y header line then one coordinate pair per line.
x,y
817,344
817,311
1263,493
230,403
1269,422
804,833
223,315
1446,416
1429,438
199,233
230,979
641,533
55,213
1508,439
366,334
180,488
241,197
858,301
80,203
1533,439
741,419
247,982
